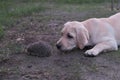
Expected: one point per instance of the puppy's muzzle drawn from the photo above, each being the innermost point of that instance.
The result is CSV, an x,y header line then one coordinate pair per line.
x,y
58,45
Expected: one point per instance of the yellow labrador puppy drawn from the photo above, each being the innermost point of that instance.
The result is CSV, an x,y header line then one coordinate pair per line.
x,y
102,33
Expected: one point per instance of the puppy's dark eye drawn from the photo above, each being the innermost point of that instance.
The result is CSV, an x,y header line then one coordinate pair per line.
x,y
69,36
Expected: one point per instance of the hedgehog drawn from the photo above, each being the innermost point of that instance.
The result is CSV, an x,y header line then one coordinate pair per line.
x,y
40,49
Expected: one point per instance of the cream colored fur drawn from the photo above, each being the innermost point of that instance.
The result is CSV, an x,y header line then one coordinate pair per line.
x,y
102,33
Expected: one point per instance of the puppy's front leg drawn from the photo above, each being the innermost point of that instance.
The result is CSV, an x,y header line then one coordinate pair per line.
x,y
103,46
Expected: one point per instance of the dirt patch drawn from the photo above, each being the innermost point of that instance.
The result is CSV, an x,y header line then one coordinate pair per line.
x,y
72,66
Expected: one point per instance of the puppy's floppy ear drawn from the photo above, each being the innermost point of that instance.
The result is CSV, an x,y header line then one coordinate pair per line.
x,y
82,36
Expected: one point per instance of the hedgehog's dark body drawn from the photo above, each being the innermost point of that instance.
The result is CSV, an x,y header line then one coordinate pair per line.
x,y
40,49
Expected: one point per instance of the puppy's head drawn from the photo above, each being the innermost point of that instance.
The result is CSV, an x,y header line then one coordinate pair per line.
x,y
74,34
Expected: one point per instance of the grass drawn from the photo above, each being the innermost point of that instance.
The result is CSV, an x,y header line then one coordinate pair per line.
x,y
82,7
1,32
12,10
79,1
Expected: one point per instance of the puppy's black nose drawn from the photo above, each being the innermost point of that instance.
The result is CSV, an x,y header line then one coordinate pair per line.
x,y
58,46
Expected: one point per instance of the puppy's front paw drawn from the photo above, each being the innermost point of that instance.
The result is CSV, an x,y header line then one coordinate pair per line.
x,y
91,52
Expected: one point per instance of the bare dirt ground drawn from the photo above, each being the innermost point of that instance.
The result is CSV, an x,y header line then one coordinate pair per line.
x,y
73,65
